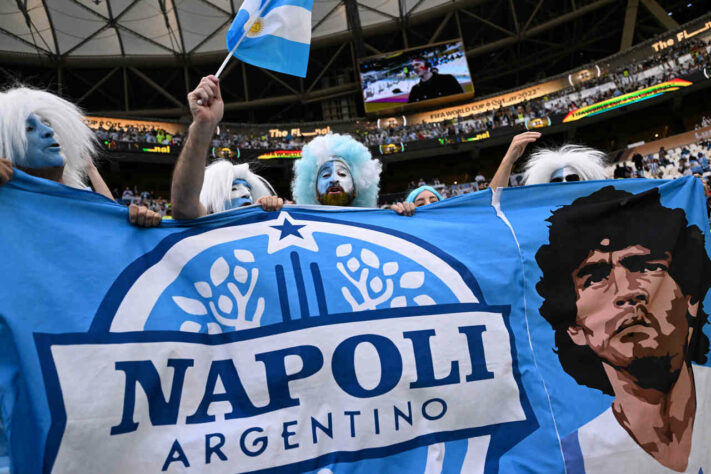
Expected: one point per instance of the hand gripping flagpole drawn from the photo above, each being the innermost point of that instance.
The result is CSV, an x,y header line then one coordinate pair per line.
x,y
247,27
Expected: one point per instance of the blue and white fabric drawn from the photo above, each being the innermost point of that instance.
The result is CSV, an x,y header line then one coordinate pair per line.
x,y
274,34
314,339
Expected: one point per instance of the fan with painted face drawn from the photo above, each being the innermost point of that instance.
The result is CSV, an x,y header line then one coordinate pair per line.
x,y
43,134
227,186
334,185
336,170
565,164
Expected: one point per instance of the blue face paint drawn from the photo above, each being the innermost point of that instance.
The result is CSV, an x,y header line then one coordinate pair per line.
x,y
334,183
240,195
564,174
42,149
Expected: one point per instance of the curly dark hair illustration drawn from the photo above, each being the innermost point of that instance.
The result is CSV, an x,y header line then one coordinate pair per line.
x,y
626,220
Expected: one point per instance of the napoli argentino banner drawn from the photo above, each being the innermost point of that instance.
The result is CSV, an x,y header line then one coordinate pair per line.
x,y
544,329
626,99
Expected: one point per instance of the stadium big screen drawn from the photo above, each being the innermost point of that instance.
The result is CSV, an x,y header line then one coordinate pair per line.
x,y
414,77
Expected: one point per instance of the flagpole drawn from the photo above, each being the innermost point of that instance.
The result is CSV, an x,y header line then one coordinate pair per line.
x,y
239,41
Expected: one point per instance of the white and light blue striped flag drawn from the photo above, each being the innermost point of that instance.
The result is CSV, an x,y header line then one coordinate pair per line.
x,y
273,34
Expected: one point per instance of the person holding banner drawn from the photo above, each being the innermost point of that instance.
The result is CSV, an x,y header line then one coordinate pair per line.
x,y
419,197
425,195
336,170
46,136
565,164
227,186
196,191
623,292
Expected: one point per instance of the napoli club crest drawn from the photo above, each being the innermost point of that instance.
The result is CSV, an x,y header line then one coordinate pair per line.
x,y
291,342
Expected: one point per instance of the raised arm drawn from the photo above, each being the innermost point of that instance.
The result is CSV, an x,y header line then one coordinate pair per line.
x,y
516,149
97,182
6,171
189,171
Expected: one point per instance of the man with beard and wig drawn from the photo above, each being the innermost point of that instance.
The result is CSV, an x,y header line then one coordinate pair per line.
x,y
46,136
623,282
336,170
197,191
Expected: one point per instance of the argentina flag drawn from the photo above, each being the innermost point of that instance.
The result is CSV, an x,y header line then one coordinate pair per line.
x,y
273,34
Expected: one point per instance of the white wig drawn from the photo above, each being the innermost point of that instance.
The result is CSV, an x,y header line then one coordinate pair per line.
x,y
588,163
364,169
217,186
77,141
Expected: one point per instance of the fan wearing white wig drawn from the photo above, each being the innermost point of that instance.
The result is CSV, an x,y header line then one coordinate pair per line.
x,y
197,191
227,186
45,136
565,164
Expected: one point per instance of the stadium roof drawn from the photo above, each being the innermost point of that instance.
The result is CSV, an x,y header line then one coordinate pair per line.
x,y
88,28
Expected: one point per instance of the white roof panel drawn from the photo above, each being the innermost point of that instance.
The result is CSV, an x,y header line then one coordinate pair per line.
x,y
104,42
198,20
82,27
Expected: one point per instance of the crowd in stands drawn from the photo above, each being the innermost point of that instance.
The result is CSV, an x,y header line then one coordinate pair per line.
x,y
705,122
446,190
689,160
142,198
130,133
671,62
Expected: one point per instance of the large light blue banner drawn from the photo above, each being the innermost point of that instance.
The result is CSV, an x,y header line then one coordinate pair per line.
x,y
528,331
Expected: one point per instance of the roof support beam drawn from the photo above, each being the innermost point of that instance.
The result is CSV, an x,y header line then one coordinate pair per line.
x,y
325,68
97,85
533,15
441,26
660,14
538,28
354,26
487,22
329,92
630,22
326,16
371,48
157,87
513,15
126,106
279,80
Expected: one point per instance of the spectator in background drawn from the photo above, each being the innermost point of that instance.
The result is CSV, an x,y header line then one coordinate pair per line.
x,y
638,161
423,196
127,196
663,160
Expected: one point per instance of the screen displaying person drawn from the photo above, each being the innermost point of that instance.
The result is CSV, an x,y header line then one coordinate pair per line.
x,y
623,282
432,84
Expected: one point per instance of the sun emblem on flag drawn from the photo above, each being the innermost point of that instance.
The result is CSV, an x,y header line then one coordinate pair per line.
x,y
256,26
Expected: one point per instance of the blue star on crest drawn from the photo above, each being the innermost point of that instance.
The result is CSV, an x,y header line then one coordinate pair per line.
x,y
287,229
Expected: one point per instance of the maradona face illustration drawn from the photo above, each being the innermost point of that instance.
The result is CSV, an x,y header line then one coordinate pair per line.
x,y
623,290
298,342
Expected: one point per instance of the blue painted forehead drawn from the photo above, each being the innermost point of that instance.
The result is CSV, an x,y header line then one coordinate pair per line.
x,y
242,182
332,159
